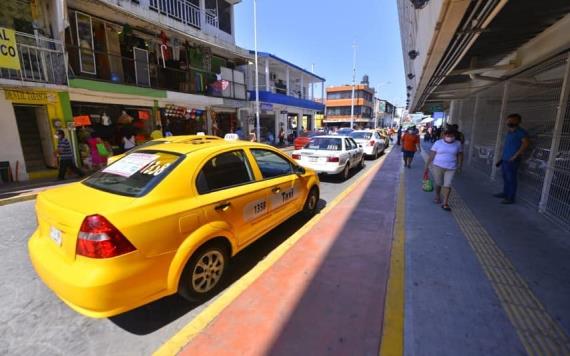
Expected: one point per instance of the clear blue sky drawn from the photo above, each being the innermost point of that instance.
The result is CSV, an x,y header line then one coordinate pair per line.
x,y
322,32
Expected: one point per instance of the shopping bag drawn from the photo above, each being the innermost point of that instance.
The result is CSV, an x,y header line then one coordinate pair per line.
x,y
427,184
102,150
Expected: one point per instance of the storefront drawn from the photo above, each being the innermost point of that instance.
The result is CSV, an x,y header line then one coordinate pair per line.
x,y
30,118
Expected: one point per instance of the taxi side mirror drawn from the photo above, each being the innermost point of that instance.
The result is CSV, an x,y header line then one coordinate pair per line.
x,y
360,146
299,170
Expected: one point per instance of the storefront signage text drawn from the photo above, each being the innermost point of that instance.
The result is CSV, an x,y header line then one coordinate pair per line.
x,y
29,97
266,107
8,51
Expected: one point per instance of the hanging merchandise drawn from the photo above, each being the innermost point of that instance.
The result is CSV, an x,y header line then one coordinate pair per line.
x,y
164,48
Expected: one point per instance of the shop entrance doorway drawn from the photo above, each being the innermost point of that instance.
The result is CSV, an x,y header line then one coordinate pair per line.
x,y
35,137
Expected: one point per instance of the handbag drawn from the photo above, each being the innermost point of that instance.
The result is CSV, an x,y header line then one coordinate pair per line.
x,y
427,184
102,150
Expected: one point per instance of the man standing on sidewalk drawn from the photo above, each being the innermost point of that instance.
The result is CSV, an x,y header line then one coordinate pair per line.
x,y
65,154
516,142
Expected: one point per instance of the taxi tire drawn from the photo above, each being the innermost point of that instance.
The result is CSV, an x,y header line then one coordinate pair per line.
x,y
185,289
361,163
345,174
307,210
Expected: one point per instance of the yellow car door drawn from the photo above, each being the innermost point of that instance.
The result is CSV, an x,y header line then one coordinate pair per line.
x,y
230,193
286,194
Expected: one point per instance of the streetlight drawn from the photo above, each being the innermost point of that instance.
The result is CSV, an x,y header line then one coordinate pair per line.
x,y
353,83
258,131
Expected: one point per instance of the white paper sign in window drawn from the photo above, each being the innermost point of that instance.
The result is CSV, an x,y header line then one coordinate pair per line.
x,y
131,164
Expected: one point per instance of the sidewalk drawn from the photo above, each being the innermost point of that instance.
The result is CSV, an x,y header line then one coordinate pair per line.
x,y
21,191
485,279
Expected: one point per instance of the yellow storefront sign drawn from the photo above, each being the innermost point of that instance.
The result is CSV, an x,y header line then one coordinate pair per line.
x,y
30,97
8,50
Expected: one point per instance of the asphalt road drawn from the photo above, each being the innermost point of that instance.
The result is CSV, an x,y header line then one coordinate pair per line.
x,y
34,321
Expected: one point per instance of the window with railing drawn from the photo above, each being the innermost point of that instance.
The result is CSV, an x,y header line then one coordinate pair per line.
x,y
42,60
185,11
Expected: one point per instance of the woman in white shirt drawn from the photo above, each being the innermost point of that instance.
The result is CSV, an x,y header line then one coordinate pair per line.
x,y
447,157
129,142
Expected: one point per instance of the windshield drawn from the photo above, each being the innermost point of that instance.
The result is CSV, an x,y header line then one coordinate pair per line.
x,y
325,144
135,174
361,135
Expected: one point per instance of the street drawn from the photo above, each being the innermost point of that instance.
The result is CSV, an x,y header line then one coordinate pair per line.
x,y
35,321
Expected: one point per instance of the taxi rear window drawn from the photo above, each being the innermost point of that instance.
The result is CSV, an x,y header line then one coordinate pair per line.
x,y
135,174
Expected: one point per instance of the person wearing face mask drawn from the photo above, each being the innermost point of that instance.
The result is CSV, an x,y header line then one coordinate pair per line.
x,y
410,145
516,143
447,157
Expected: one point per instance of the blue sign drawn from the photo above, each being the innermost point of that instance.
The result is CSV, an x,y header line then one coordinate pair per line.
x,y
438,115
266,107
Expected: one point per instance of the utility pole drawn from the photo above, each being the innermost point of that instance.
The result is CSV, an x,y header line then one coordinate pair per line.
x,y
353,84
258,129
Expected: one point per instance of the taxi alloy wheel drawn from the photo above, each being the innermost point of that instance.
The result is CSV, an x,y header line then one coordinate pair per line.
x,y
203,273
208,271
311,203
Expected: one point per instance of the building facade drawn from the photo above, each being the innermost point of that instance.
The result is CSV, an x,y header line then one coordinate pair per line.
x,y
338,106
384,113
477,62
286,95
104,66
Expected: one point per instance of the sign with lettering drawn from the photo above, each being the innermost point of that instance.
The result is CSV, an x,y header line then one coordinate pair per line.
x,y
29,97
8,51
82,120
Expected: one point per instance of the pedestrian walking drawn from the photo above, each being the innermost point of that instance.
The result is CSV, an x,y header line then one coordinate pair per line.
x,y
410,145
446,155
399,133
65,154
516,143
281,137
129,142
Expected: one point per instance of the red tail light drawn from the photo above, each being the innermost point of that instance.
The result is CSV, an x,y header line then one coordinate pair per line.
x,y
333,159
98,238
296,156
371,143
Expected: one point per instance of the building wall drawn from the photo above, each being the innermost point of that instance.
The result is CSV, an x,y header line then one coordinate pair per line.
x,y
10,145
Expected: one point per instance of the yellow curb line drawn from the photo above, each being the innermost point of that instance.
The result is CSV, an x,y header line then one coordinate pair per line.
x,y
188,332
392,342
17,199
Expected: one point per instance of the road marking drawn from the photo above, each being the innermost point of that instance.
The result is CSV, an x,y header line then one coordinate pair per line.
x,y
392,342
196,325
539,333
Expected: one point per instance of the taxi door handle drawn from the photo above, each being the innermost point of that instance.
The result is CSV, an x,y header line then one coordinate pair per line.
x,y
223,206
276,190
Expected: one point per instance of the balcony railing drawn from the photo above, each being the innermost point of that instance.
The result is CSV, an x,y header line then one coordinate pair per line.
x,y
42,60
117,69
180,10
212,18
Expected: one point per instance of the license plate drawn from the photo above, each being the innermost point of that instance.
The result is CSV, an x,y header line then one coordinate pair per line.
x,y
55,235
313,159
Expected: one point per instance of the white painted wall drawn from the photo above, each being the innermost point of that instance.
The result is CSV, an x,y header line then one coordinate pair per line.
x,y
10,145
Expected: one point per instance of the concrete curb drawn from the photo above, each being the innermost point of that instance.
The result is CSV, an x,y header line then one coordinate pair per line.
x,y
18,199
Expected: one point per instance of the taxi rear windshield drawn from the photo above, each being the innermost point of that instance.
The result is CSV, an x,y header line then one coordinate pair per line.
x,y
135,174
325,144
361,135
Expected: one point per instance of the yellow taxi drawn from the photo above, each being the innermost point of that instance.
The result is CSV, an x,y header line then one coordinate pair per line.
x,y
162,220
168,139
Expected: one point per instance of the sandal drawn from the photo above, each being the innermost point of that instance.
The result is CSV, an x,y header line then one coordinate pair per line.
x,y
446,207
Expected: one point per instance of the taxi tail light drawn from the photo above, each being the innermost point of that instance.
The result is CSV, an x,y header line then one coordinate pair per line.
x,y
371,143
296,156
98,238
333,159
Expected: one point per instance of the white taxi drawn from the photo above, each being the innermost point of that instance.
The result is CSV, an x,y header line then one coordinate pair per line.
x,y
371,142
331,154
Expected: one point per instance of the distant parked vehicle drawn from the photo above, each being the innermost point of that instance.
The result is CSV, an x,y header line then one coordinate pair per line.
x,y
371,142
302,140
332,154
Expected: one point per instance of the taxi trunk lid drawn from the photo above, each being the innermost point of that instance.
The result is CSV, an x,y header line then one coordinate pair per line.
x,y
61,212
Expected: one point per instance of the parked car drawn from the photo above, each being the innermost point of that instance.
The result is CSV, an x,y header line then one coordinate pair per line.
x,y
331,154
371,142
163,220
302,140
